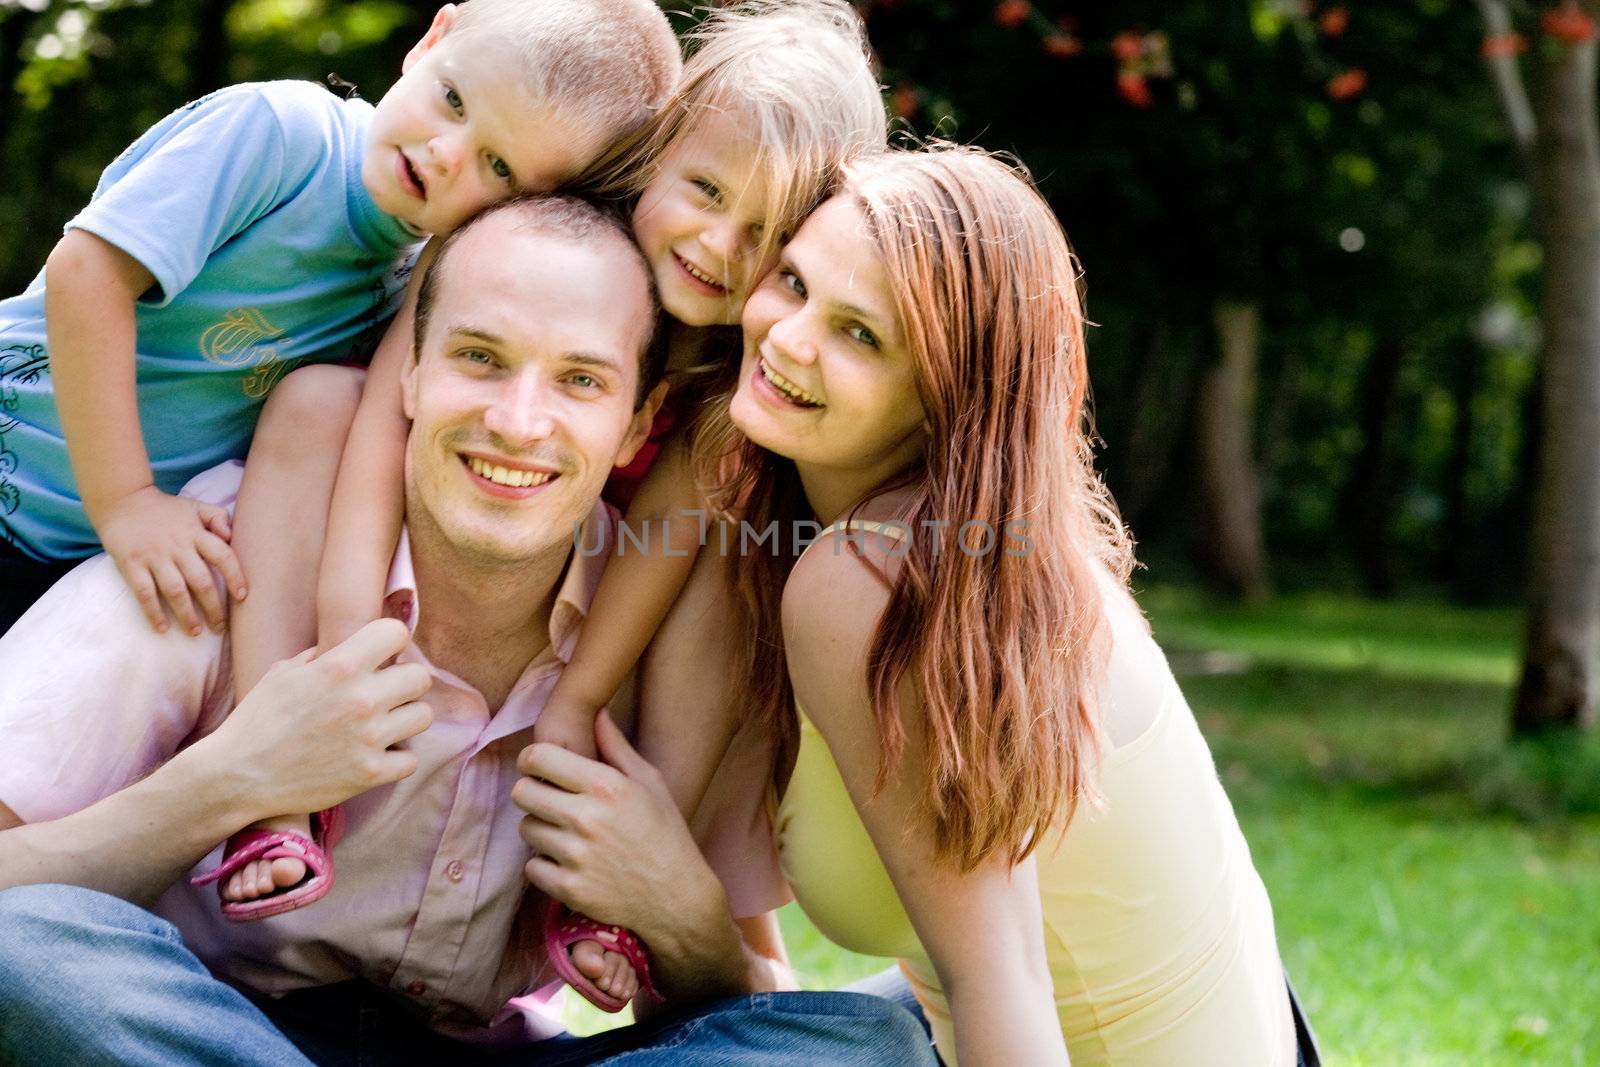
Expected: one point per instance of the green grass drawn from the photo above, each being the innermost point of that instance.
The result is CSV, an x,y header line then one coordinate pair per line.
x,y
1437,891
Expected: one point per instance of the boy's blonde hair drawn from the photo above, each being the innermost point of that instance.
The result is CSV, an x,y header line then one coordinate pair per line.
x,y
797,75
605,65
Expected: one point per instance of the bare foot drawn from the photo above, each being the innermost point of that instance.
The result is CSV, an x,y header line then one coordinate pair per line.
x,y
261,878
609,970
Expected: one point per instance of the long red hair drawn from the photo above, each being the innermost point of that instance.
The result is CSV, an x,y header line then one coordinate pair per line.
x,y
1003,649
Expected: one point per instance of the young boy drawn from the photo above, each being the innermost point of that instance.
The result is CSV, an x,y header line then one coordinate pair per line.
x,y
262,227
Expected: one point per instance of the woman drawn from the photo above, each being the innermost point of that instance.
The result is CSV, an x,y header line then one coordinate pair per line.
x,y
994,776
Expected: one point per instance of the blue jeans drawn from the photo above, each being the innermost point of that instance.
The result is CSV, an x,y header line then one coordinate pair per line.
x,y
87,978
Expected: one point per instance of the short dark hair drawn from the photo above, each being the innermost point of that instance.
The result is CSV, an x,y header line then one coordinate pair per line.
x,y
574,218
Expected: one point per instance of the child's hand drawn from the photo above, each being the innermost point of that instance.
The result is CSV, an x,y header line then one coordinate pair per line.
x,y
165,547
569,725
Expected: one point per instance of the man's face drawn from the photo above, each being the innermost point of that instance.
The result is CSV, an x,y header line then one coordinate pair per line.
x,y
522,399
460,131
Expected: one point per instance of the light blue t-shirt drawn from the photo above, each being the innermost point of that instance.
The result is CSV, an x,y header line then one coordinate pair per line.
x,y
247,207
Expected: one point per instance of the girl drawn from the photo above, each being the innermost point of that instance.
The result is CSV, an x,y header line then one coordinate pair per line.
x,y
774,97
988,770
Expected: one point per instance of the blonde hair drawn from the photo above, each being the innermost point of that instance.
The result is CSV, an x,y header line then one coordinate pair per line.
x,y
605,65
1003,650
796,74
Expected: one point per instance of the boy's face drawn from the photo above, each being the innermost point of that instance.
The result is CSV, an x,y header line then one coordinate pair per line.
x,y
700,222
460,131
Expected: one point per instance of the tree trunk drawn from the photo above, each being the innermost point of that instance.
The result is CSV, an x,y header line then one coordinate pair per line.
x,y
1230,492
1457,560
1368,498
1161,396
208,66
1563,603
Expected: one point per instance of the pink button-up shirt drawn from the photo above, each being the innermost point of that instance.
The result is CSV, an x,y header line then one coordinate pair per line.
x,y
429,899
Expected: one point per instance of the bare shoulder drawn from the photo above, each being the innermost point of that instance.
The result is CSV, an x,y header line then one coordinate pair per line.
x,y
840,586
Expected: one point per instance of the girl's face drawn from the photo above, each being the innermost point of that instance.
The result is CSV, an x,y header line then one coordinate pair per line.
x,y
827,380
700,222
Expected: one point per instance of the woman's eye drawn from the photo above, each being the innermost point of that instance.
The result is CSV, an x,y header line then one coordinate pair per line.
x,y
453,99
862,336
791,281
502,169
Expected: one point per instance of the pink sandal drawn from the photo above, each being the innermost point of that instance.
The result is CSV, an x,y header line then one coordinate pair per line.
x,y
247,846
564,928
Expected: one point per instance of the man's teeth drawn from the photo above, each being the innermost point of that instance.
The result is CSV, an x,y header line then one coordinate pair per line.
x,y
700,275
516,479
788,388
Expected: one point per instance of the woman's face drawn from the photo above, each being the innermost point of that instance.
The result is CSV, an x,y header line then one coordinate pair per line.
x,y
827,380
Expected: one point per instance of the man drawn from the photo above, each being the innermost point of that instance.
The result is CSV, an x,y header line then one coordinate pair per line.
x,y
121,770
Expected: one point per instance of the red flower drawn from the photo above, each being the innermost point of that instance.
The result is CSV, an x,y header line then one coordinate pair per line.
x,y
1127,46
1568,23
1504,44
1062,45
1012,13
1346,85
1334,21
1132,87
905,101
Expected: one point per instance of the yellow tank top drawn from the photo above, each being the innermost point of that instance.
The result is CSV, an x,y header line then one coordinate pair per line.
x,y
1158,929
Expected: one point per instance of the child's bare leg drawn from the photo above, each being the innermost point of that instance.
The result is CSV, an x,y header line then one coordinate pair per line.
x,y
688,712
689,706
279,524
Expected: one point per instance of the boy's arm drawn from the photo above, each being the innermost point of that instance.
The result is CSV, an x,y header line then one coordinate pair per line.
x,y
368,506
164,546
636,592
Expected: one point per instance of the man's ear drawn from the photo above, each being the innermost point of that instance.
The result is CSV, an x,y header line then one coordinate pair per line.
x,y
408,386
443,19
639,429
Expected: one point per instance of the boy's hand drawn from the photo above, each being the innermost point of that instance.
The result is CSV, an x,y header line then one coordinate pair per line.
x,y
165,547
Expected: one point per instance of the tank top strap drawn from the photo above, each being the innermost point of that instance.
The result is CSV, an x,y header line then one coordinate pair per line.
x,y
896,530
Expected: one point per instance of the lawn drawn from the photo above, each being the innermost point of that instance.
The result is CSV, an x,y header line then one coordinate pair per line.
x,y
1437,893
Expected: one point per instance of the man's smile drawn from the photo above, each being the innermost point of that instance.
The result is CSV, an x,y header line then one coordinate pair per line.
x,y
499,475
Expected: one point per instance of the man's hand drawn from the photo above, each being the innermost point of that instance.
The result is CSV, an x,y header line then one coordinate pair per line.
x,y
165,547
608,841
318,730
313,733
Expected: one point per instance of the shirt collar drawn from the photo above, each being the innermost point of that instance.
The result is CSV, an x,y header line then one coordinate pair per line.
x,y
585,565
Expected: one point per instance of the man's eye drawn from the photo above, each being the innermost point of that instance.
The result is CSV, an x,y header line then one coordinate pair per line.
x,y
502,169
453,99
477,355
585,381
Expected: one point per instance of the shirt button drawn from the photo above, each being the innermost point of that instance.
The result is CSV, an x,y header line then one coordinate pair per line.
x,y
455,871
417,988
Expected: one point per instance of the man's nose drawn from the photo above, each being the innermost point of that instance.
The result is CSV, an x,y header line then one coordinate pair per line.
x,y
520,414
